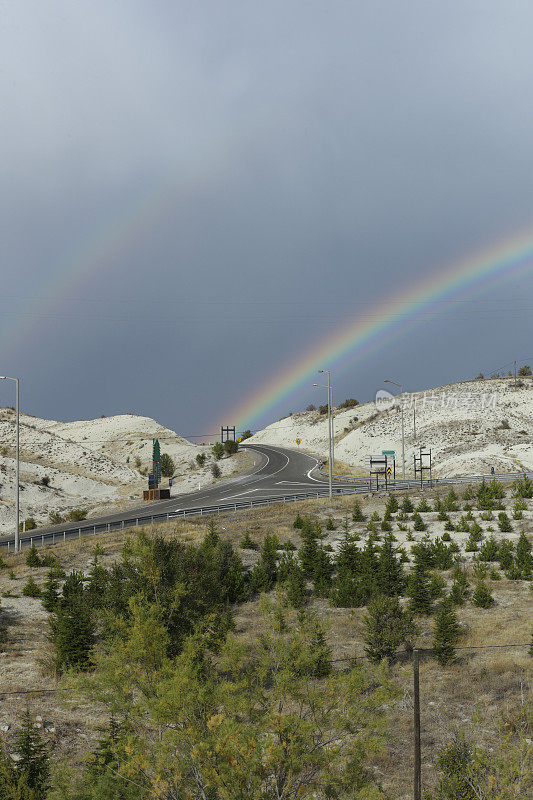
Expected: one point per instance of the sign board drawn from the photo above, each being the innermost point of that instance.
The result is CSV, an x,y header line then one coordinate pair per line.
x,y
298,441
151,481
391,453
389,471
170,482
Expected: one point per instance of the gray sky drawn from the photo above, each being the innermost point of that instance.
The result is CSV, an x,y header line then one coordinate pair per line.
x,y
192,193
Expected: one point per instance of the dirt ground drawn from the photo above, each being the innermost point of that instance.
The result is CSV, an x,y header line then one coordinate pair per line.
x,y
484,687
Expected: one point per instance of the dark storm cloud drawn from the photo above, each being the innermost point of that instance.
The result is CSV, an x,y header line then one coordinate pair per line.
x,y
309,157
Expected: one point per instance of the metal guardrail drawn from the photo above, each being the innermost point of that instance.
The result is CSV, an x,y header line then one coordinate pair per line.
x,y
54,537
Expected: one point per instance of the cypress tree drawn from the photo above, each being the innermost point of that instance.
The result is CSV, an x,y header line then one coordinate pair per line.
x,y
446,633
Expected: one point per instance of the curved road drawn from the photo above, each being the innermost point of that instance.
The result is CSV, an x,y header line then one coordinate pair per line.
x,y
278,474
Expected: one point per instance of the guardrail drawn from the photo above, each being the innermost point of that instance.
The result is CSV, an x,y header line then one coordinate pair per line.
x,y
53,537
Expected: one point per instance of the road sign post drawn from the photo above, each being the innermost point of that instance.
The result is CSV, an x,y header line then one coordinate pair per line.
x,y
298,441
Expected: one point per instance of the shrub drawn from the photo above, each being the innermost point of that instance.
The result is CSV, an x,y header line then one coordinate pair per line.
x,y
218,450
167,466
45,480
298,522
29,524
419,592
482,597
201,459
418,522
392,505
407,505
357,514
77,514
330,525
446,537
504,523
323,409
450,501
524,371
311,407
523,488
489,550
137,462
32,557
247,543
350,402
215,470
423,506
387,626
246,435
524,560
55,518
31,589
460,587
230,447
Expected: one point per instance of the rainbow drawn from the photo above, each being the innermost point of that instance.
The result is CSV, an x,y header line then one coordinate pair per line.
x,y
398,313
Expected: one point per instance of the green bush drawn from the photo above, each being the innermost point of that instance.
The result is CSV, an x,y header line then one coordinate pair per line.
x,y
523,488
201,459
32,557
218,450
28,525
481,596
418,522
504,523
357,514
31,589
230,447
167,466
77,514
387,626
215,471
55,518
247,543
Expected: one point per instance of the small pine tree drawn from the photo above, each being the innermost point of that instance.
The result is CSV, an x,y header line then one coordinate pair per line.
x,y
247,543
407,505
330,525
215,471
34,760
423,506
167,465
31,589
387,626
504,523
482,597
322,572
392,505
390,577
32,557
446,633
50,596
298,522
308,551
419,592
295,585
418,522
357,514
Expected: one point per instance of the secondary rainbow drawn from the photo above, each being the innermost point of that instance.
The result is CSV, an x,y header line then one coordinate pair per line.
x,y
400,312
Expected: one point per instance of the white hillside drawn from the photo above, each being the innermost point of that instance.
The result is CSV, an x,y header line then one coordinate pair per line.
x,y
86,464
470,426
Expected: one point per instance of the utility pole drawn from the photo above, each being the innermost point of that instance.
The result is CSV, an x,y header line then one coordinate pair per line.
x,y
515,374
403,425
417,777
414,419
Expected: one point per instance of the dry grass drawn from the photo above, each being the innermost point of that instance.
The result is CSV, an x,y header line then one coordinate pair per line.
x,y
483,688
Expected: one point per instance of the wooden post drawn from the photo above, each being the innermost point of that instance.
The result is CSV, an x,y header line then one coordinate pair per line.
x,y
417,788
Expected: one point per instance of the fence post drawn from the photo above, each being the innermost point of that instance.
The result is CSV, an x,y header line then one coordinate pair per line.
x,y
417,786
53,538
64,536
136,522
42,539
31,541
79,533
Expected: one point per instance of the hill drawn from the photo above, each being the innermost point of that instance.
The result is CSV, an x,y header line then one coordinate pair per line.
x,y
470,427
88,463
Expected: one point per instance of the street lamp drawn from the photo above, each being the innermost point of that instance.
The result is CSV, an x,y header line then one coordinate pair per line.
x,y
330,426
403,427
16,381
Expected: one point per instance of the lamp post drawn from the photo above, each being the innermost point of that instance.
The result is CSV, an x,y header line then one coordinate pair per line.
x,y
330,427
403,427
16,381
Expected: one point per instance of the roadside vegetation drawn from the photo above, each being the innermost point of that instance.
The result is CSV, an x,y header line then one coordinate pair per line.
x,y
270,656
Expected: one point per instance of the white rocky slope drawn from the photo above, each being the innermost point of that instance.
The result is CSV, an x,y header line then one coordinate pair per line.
x,y
470,427
88,464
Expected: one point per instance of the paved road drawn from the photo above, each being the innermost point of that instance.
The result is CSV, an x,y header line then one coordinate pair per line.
x,y
278,474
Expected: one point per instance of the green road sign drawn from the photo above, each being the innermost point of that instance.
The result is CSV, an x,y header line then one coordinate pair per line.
x,y
391,453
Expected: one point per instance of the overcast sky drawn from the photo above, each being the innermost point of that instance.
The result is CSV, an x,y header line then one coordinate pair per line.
x,y
193,192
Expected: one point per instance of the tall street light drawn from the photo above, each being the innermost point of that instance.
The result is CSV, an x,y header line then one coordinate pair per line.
x,y
16,381
330,427
403,427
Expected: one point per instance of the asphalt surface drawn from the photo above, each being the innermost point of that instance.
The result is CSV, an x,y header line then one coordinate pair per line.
x,y
277,474
276,471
